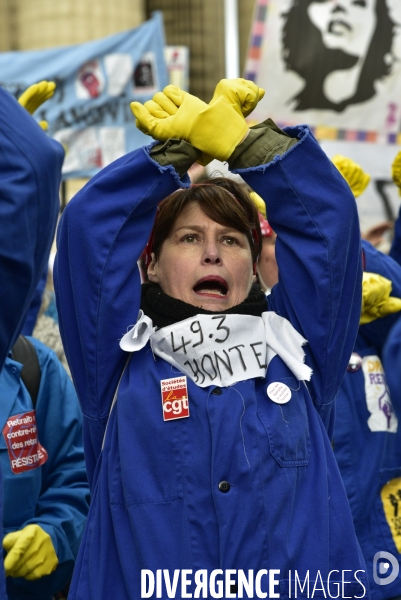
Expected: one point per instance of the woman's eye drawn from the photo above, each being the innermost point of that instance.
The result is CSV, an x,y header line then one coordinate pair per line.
x,y
230,241
190,239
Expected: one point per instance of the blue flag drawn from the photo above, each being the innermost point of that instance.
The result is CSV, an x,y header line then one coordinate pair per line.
x,y
96,81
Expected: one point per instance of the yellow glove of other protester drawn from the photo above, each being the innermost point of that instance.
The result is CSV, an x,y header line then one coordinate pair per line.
x,y
30,553
242,94
35,96
396,171
376,299
353,174
259,203
214,129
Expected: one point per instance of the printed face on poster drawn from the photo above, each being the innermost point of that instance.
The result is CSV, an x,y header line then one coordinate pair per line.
x,y
335,65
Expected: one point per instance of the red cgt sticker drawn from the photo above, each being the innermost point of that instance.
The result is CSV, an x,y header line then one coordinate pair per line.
x,y
175,398
24,449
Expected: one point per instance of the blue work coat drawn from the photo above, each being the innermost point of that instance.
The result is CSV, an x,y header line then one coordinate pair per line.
x,y
369,459
156,502
55,495
30,175
395,250
35,304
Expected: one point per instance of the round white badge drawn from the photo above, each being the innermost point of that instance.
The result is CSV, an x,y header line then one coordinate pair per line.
x,y
279,392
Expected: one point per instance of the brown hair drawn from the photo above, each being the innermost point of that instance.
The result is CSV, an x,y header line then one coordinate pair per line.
x,y
221,199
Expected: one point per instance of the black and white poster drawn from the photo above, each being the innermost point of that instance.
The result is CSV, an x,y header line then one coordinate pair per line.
x,y
335,65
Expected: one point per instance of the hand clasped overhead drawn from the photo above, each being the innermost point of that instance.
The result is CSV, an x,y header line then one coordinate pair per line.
x,y
216,128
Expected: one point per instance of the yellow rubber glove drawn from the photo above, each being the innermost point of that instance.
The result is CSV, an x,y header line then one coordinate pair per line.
x,y
259,203
376,299
214,129
35,96
353,174
242,94
396,171
30,553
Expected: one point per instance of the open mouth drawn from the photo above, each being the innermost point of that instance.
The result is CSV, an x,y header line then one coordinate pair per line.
x,y
339,27
211,286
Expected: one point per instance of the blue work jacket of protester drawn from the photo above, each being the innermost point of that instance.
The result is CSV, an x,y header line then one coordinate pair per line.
x,y
156,500
392,366
55,495
30,175
34,306
367,431
395,250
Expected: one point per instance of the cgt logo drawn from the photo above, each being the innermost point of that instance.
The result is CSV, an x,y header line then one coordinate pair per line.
x,y
175,398
381,567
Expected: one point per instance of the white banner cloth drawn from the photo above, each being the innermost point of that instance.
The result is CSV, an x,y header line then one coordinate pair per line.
x,y
222,349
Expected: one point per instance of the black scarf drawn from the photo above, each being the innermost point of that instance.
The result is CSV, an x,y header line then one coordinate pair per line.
x,y
165,310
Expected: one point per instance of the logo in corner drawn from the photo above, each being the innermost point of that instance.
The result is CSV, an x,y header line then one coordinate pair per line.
x,y
381,567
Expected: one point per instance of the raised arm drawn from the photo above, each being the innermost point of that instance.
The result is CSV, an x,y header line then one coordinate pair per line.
x,y
102,233
30,174
313,212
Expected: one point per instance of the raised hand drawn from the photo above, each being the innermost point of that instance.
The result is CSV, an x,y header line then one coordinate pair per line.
x,y
242,94
215,129
35,96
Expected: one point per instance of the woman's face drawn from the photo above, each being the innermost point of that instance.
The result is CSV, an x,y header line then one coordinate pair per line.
x,y
346,25
204,263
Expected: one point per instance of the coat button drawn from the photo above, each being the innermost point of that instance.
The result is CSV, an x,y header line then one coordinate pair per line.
x,y
217,392
224,487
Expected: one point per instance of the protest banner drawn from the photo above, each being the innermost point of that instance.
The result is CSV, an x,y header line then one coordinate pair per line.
x,y
96,81
335,65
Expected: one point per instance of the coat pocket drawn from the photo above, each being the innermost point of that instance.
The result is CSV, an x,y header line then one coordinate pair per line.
x,y
287,425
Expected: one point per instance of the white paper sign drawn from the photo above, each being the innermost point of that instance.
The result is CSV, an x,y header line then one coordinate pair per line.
x,y
218,349
383,417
